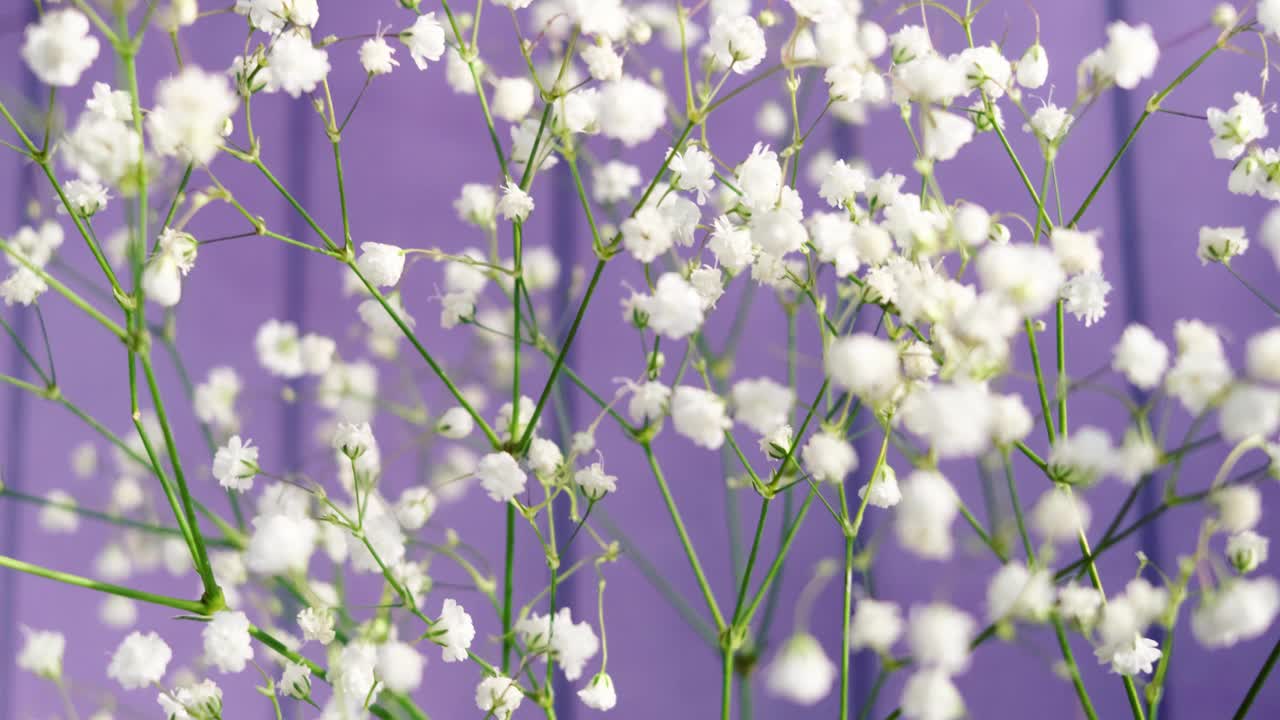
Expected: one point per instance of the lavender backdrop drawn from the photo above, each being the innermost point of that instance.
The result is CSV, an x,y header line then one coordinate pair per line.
x,y
409,148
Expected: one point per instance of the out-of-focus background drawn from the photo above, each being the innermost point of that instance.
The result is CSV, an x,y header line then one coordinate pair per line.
x,y
409,147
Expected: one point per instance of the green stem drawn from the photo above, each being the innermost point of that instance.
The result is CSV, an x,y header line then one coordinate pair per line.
x,y
685,542
508,574
190,606
1258,682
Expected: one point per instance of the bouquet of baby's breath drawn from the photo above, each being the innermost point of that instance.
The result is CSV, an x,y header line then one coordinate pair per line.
x,y
922,301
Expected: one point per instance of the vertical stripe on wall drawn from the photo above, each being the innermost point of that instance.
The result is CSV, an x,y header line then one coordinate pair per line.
x,y
15,442
295,267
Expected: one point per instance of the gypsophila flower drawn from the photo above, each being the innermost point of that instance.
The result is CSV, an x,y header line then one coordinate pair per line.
x,y
59,47
594,482
1234,129
1033,67
235,464
191,113
227,645
498,696
599,694
923,517
1130,55
1239,507
700,416
381,264
515,204
930,695
140,660
1220,244
453,631
939,636
1239,610
876,624
294,65
865,365
86,197
198,701
377,57
737,43
674,310
42,652
801,672
317,624
1247,550
828,457
1085,297
501,476
1140,356
400,667
295,680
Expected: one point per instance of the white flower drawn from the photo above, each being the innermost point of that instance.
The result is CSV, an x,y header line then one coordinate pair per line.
x,y
842,183
1220,244
1269,15
883,488
1130,55
516,204
759,179
317,624
762,404
1060,516
647,234
1262,356
1080,604
377,57
1085,297
453,631
801,672
1028,276
1247,550
41,653
192,702
1134,656
648,402
865,365
191,113
140,660
235,464
294,65
939,636
1050,123
876,624
498,696
694,170
381,264
400,667
1033,67
1249,410
731,245
295,680
595,482
602,62
86,197
353,439
1239,507
227,644
1085,455
280,543
59,48
1234,129
59,515
828,457
500,476
599,694
631,110
1240,610
512,98
415,507
571,644
279,350
737,43
1016,592
923,517
1140,356
354,672
174,258
674,309
944,134
700,416
425,40
214,399
270,16
930,695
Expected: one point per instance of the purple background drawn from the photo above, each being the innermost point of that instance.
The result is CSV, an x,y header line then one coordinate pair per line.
x,y
407,151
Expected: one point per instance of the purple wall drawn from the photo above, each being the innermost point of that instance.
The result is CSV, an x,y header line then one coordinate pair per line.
x,y
407,151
